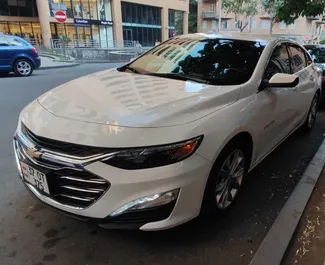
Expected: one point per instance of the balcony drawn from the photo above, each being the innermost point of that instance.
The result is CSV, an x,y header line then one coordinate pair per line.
x,y
209,15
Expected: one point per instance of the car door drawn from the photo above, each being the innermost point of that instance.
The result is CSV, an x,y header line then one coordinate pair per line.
x,y
5,54
277,111
307,79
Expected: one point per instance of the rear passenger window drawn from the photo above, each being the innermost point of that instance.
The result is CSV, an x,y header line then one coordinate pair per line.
x,y
298,59
3,41
278,63
14,41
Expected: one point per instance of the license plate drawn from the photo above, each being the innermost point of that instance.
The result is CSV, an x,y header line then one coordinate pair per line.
x,y
35,177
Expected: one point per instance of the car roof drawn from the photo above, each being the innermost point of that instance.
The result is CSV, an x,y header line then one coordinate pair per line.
x,y
235,36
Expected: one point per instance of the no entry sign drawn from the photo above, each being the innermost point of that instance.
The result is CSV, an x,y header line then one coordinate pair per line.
x,y
60,16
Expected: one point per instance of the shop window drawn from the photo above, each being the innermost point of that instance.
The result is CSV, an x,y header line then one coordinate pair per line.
x,y
4,28
26,29
77,9
37,31
14,28
93,9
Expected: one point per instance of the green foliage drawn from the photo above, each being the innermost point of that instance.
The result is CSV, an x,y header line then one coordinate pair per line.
x,y
192,17
272,6
246,8
322,42
292,9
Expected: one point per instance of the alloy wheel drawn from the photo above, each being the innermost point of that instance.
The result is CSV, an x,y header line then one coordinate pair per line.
x,y
230,179
24,68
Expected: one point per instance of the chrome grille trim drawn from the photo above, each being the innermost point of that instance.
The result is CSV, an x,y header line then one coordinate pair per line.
x,y
83,190
71,185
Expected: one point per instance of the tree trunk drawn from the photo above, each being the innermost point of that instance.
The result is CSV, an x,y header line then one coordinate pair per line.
x,y
242,28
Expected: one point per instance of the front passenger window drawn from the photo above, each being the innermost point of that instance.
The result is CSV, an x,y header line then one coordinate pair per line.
x,y
298,58
279,62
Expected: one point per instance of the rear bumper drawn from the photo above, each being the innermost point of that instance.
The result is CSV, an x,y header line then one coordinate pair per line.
x,y
37,62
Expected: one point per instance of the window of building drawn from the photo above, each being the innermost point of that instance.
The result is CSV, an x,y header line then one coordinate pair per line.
x,y
213,7
225,24
283,25
291,26
214,24
64,5
14,28
279,62
4,28
204,24
142,23
22,8
298,59
253,23
266,23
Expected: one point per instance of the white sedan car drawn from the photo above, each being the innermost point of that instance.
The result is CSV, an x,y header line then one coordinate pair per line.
x,y
172,134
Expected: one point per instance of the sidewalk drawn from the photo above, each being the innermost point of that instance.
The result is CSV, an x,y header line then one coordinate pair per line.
x,y
49,62
307,247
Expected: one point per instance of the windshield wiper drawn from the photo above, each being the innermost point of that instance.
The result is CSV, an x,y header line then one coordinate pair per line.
x,y
127,67
179,76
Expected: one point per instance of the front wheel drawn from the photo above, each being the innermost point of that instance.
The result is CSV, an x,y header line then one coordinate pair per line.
x,y
23,67
226,179
311,116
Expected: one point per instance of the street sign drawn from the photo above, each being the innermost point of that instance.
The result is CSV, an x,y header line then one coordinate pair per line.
x,y
60,16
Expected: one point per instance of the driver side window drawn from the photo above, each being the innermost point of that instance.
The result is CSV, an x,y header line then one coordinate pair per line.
x,y
278,63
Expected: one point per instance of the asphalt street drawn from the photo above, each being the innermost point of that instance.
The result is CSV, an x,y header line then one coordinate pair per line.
x,y
31,234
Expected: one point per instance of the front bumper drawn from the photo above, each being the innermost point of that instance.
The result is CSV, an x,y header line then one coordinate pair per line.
x,y
124,186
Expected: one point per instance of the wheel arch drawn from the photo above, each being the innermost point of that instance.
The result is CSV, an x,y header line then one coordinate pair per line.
x,y
22,57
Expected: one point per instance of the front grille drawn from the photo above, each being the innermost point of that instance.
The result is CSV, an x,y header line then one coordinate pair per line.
x,y
64,147
76,188
71,186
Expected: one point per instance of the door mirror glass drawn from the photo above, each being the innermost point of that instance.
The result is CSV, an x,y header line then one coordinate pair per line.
x,y
283,80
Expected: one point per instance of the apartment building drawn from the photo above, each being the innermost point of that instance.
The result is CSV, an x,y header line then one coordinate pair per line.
x,y
212,19
94,21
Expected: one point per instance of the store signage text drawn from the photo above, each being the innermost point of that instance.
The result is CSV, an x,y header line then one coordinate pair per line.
x,y
92,22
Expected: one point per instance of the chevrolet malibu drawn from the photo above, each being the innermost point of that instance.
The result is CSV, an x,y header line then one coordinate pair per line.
x,y
168,136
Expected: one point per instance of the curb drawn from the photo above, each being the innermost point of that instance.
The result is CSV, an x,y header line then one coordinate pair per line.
x,y
57,67
276,241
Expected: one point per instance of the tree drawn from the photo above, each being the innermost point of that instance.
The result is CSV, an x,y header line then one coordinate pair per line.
x,y
292,9
272,8
244,8
192,17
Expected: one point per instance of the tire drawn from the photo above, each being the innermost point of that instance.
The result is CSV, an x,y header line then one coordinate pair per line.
x,y
311,116
23,67
222,190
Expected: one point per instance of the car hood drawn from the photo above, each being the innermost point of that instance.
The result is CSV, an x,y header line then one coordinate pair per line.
x,y
134,100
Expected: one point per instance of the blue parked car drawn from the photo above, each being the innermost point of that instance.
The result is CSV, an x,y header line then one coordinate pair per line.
x,y
18,56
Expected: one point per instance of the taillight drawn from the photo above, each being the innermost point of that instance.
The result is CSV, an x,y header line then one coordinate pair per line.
x,y
34,50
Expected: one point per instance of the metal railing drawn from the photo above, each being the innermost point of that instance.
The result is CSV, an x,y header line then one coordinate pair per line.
x,y
77,43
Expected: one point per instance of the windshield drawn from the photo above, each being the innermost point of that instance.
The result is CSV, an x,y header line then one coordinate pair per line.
x,y
213,61
317,53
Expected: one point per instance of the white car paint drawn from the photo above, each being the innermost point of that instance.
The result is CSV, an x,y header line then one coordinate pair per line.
x,y
112,114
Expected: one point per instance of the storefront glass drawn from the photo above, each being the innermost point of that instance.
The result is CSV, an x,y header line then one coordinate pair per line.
x,y
141,23
93,9
64,5
22,8
4,28
76,7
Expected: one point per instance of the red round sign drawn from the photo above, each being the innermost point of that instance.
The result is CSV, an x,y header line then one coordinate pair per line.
x,y
60,16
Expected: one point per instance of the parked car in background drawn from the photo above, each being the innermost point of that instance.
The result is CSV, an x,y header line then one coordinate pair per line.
x,y
172,134
18,56
317,53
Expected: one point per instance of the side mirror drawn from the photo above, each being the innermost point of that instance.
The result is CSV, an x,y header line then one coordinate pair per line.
x,y
280,80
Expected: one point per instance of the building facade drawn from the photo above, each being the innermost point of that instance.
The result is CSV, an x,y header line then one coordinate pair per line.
x,y
106,23
212,19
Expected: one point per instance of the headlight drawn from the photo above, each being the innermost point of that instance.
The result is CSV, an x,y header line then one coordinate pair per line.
x,y
156,156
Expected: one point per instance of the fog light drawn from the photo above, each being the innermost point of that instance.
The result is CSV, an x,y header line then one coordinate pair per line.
x,y
155,200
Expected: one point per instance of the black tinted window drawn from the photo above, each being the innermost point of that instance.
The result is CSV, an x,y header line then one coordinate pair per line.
x,y
217,61
3,41
317,53
298,59
278,63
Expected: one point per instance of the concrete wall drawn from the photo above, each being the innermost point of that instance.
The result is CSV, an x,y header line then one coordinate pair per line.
x,y
90,54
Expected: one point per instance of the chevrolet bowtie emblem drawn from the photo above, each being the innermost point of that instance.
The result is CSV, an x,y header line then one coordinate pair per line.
x,y
33,153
